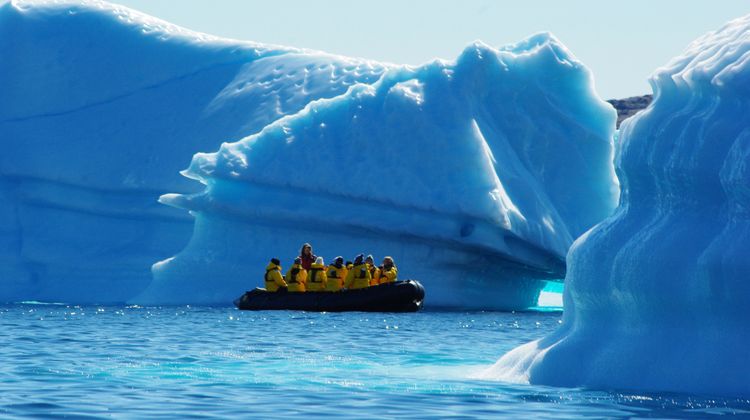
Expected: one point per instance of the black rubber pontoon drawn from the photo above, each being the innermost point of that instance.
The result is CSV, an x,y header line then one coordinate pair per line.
x,y
400,296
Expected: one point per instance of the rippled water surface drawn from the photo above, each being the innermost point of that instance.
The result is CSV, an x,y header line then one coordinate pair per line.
x,y
178,362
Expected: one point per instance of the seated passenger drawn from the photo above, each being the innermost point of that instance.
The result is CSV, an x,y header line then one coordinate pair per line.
x,y
296,276
336,275
359,276
388,273
274,280
370,261
316,277
349,265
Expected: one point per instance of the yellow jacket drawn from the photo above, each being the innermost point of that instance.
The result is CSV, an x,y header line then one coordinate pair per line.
x,y
316,278
273,278
387,276
358,277
374,274
336,277
296,282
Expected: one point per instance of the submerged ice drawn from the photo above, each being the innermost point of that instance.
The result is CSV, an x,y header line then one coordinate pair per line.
x,y
656,295
476,175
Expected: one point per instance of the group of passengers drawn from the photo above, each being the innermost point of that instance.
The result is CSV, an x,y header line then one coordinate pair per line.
x,y
309,273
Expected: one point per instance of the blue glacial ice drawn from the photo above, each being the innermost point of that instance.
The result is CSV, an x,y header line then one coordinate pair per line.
x,y
101,107
657,295
475,175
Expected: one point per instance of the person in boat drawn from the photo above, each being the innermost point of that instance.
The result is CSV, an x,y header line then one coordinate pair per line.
x,y
359,276
336,275
370,261
307,256
273,278
316,276
296,277
387,273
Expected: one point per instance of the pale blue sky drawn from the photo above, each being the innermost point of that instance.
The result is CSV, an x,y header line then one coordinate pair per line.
x,y
622,42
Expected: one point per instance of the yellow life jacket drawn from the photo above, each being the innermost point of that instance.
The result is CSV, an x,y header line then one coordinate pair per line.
x,y
296,278
387,276
335,277
316,278
358,277
273,278
373,274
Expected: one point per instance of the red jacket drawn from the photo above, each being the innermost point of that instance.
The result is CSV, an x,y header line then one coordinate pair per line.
x,y
308,261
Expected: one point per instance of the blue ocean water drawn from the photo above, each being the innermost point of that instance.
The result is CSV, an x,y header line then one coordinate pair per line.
x,y
204,362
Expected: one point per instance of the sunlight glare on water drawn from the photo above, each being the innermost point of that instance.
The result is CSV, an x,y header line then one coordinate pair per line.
x,y
169,362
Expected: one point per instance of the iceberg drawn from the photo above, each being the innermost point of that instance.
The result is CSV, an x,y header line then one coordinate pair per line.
x,y
656,295
101,107
476,175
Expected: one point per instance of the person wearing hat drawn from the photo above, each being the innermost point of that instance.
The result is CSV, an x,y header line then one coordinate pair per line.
x,y
336,275
274,280
316,277
387,273
296,276
370,261
359,276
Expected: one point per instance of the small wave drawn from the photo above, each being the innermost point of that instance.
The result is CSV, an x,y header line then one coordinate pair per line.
x,y
35,302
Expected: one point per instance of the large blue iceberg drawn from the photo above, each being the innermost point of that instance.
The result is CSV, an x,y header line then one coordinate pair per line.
x,y
476,175
100,108
657,295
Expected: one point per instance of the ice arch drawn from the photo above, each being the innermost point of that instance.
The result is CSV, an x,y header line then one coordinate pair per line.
x,y
476,175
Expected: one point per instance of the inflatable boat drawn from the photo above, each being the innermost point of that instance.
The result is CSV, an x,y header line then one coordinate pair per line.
x,y
400,296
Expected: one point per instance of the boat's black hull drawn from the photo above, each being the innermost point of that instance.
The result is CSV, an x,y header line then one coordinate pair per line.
x,y
401,296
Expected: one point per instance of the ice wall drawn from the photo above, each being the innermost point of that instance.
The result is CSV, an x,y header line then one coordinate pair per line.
x,y
656,296
100,107
475,175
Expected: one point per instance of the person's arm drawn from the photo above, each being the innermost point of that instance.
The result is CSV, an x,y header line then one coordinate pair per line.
x,y
349,279
323,278
368,276
278,278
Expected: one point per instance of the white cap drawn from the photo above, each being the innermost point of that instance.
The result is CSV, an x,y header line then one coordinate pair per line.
x,y
319,261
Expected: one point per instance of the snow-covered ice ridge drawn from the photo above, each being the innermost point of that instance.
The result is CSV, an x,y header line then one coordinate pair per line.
x,y
476,175
657,295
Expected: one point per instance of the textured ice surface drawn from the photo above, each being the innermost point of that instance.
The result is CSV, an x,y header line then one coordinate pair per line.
x,y
100,109
657,295
475,175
